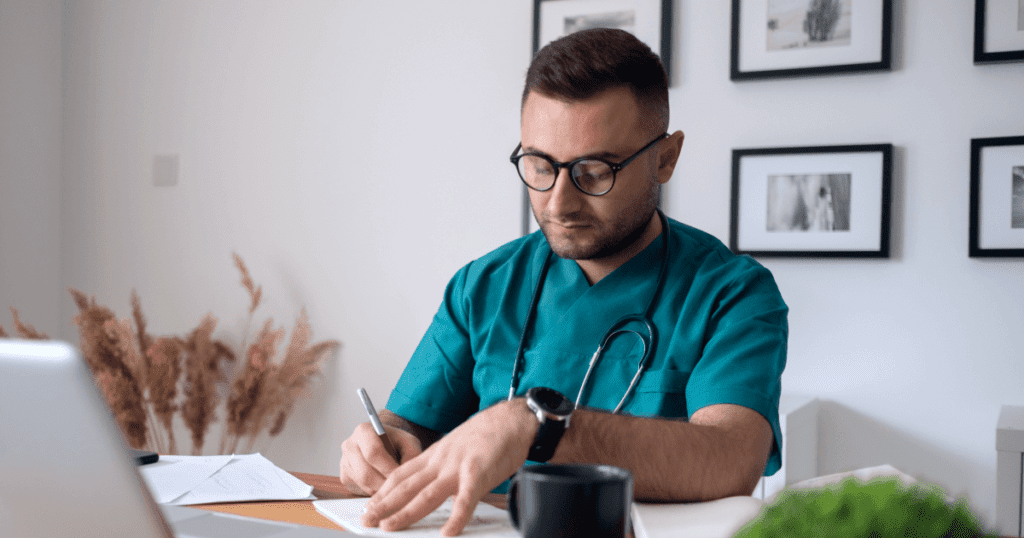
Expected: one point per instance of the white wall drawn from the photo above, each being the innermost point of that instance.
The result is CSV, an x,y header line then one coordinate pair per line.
x,y
914,355
354,153
30,123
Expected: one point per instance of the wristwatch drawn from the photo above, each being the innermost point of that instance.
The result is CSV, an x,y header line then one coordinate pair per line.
x,y
553,411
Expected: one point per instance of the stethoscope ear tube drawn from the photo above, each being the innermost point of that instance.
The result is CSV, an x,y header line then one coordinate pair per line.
x,y
649,342
521,350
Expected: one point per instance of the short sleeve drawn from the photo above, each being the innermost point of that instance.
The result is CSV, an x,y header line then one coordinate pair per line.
x,y
745,353
436,389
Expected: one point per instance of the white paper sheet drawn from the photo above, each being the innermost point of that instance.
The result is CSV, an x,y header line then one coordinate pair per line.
x,y
173,476
181,480
487,521
712,519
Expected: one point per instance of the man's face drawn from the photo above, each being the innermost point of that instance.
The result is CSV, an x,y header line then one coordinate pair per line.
x,y
609,127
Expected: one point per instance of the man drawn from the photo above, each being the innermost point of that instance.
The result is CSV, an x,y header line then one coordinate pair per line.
x,y
699,422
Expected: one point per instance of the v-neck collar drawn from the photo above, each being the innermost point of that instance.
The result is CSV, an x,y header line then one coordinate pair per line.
x,y
570,309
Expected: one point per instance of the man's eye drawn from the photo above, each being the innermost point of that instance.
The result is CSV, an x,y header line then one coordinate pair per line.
x,y
592,172
541,168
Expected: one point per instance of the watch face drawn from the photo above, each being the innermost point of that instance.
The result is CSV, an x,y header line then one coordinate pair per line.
x,y
551,400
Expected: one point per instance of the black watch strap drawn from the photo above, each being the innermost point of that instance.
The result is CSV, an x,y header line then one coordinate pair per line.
x,y
553,411
546,441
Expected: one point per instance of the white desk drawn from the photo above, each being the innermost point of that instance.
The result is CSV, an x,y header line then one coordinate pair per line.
x,y
1010,471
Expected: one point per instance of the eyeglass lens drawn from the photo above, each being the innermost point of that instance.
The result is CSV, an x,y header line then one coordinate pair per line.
x,y
592,176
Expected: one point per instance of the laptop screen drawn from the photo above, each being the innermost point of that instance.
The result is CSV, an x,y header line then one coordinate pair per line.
x,y
64,468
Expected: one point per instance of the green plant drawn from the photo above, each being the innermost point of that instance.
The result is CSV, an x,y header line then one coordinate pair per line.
x,y
879,508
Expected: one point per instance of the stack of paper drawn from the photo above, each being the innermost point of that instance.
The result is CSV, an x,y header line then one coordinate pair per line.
x,y
179,480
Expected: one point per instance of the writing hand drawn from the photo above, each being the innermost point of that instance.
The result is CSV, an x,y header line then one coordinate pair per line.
x,y
365,464
467,463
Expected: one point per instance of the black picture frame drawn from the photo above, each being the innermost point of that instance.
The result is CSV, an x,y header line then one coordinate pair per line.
x,y
661,10
793,59
982,31
769,186
989,169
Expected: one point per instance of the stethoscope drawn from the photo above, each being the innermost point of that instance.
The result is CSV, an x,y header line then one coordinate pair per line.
x,y
617,328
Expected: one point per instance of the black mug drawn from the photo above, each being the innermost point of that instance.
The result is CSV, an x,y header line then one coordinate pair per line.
x,y
571,500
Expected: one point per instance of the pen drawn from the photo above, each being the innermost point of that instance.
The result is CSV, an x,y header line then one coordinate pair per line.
x,y
377,426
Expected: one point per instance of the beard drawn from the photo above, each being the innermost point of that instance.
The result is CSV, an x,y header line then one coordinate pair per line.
x,y
608,238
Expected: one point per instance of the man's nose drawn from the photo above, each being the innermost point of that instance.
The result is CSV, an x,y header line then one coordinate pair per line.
x,y
565,197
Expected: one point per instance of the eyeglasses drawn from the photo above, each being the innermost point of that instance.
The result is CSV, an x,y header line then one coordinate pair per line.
x,y
590,175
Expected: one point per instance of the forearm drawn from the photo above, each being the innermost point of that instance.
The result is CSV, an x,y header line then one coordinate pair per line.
x,y
671,460
426,436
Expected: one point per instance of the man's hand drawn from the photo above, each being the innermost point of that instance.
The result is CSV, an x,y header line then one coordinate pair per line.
x,y
365,464
467,463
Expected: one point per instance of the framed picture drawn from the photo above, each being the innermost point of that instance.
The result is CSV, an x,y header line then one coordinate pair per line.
x,y
821,201
997,197
998,31
787,38
649,20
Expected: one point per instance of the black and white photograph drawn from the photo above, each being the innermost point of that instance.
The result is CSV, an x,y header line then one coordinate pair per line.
x,y
623,20
787,38
649,20
808,202
998,31
817,201
808,23
1017,213
997,197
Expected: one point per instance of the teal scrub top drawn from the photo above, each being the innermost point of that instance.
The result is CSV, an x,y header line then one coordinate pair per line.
x,y
720,322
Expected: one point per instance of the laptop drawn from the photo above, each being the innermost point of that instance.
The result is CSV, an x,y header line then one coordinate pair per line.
x,y
64,468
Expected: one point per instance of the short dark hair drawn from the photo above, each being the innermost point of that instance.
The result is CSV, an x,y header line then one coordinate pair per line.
x,y
583,64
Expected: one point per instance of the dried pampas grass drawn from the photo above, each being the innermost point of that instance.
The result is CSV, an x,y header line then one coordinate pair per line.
x,y
255,293
148,380
123,397
116,365
251,393
27,332
299,366
164,370
203,373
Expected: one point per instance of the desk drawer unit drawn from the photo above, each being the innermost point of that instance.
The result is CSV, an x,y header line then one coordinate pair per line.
x,y
798,418
1010,471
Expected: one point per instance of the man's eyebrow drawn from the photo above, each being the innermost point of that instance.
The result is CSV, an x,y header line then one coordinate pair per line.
x,y
602,155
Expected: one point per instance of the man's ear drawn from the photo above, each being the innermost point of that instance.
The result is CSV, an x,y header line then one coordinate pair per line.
x,y
669,156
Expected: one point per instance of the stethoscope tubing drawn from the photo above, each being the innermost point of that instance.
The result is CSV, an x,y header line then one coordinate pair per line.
x,y
616,329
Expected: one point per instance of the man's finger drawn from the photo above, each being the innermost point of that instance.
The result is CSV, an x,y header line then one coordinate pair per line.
x,y
397,478
394,495
359,476
365,476
365,463
376,456
464,504
419,506
372,450
347,480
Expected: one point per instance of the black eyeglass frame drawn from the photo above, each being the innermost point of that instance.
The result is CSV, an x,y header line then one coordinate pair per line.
x,y
615,167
